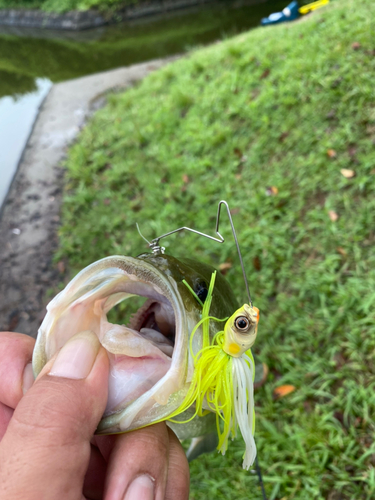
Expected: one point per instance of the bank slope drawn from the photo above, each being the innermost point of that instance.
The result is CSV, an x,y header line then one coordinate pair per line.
x,y
268,120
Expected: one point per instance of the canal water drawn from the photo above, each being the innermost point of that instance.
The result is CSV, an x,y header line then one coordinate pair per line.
x,y
32,60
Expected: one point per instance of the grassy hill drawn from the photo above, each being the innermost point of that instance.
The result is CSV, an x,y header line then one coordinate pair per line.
x,y
268,121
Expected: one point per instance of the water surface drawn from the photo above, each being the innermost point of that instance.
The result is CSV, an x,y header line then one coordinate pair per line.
x,y
16,120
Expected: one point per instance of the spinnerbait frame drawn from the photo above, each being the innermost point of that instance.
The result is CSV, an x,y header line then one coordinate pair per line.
x,y
157,249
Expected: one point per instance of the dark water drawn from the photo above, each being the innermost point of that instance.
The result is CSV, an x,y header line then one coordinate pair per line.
x,y
29,54
30,59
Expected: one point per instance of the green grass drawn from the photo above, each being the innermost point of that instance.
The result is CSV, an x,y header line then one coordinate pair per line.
x,y
260,110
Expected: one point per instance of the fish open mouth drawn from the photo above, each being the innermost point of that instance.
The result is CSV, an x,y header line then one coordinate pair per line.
x,y
155,321
140,352
148,355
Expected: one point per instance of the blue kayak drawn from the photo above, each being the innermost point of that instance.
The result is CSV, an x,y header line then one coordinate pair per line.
x,y
290,13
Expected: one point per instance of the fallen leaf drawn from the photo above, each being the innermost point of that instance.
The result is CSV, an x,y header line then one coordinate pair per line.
x,y
185,179
271,191
342,251
237,152
265,73
356,45
257,263
340,417
61,267
339,360
347,173
333,216
283,390
283,136
234,211
224,267
331,153
307,405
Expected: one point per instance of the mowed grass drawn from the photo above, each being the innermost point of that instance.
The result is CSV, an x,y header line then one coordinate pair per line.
x,y
286,107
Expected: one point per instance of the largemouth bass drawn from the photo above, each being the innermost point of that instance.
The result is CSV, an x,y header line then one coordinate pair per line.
x,y
152,357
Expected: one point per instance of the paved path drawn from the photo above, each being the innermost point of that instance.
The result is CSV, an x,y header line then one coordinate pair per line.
x,y
30,215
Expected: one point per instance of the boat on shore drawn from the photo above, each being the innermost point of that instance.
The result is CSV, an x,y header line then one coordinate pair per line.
x,y
292,12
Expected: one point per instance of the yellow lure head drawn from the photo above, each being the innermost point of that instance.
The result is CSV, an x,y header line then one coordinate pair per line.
x,y
240,330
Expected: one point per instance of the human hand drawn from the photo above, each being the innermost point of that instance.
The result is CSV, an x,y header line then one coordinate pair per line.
x,y
47,448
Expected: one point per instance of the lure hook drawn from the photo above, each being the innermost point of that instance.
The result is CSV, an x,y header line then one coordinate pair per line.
x,y
157,249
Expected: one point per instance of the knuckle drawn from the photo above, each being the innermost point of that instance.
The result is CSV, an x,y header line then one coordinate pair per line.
x,y
53,408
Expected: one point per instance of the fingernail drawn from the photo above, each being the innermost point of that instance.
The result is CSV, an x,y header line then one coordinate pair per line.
x,y
28,378
77,356
142,488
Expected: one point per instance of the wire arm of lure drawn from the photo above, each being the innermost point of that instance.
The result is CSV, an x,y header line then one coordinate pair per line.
x,y
223,202
156,249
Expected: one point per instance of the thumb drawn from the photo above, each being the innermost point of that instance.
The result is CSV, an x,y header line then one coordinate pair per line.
x,y
46,448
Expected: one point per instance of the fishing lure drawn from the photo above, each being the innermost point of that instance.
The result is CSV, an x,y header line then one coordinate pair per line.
x,y
224,368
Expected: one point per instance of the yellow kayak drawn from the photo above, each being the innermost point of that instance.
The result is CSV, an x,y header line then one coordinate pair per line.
x,y
312,6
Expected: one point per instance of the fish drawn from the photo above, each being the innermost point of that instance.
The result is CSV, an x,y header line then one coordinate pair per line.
x,y
151,357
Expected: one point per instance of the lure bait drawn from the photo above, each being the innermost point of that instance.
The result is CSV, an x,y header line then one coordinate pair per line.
x,y
223,376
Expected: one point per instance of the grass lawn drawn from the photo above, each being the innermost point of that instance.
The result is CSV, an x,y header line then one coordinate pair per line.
x,y
286,107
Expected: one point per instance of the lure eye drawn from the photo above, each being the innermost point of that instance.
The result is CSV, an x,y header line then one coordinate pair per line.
x,y
242,324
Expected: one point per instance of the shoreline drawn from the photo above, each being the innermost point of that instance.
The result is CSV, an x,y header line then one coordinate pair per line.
x,y
82,20
30,215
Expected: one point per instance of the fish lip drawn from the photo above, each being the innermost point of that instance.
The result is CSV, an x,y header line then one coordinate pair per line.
x,y
91,278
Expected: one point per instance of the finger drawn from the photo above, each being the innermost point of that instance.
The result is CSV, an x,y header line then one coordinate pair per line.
x,y
137,464
178,472
16,352
49,433
93,486
5,416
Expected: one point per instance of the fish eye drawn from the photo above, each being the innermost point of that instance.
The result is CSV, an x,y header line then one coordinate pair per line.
x,y
242,324
201,290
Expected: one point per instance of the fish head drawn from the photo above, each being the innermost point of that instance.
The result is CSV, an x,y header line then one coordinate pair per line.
x,y
151,365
